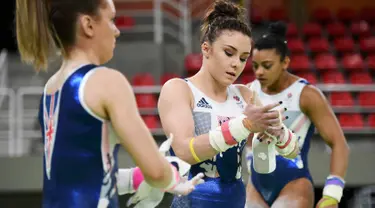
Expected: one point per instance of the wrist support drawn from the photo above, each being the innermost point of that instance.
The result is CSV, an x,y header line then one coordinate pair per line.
x,y
132,185
334,187
228,134
287,143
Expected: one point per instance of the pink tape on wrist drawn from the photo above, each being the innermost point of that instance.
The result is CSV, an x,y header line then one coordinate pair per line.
x,y
288,141
137,178
229,140
176,179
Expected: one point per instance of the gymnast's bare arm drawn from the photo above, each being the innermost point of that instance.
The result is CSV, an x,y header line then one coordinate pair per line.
x,y
316,107
175,109
116,103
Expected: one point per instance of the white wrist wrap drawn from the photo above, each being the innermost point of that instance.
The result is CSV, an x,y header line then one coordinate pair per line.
x,y
288,143
238,131
125,181
334,187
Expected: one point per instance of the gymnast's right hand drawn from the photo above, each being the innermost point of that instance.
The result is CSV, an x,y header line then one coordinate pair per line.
x,y
260,118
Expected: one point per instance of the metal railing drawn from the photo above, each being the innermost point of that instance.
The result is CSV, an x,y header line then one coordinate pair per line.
x,y
26,115
29,113
182,20
3,72
8,135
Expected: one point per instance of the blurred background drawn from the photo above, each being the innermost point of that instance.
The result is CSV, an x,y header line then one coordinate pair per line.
x,y
332,44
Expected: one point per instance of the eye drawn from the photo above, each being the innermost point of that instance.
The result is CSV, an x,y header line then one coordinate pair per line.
x,y
228,53
267,66
243,59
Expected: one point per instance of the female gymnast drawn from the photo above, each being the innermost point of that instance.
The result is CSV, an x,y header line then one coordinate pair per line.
x,y
80,118
210,117
291,185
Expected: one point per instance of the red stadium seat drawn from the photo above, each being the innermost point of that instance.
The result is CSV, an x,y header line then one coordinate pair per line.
x,y
325,62
353,62
309,76
146,100
351,120
366,99
360,78
371,120
322,15
143,79
247,78
276,14
165,77
256,16
151,121
368,14
344,44
333,78
346,14
361,29
336,29
367,45
124,22
193,62
296,46
341,99
312,30
371,62
292,30
300,63
318,45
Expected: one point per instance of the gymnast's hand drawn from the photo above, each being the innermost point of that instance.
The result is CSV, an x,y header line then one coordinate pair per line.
x,y
147,196
327,202
260,118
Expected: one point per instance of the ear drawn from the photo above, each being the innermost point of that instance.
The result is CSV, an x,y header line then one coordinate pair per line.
x,y
86,24
286,62
206,48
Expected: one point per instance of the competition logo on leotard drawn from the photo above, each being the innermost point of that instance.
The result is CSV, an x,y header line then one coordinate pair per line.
x,y
50,118
238,101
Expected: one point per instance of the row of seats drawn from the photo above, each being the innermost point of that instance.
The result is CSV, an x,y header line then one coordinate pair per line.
x,y
360,29
328,62
341,45
346,120
346,99
336,77
322,15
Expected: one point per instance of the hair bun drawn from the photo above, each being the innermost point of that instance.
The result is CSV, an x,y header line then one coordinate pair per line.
x,y
225,9
278,28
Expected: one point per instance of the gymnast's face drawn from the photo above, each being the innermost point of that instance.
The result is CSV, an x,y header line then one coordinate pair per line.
x,y
268,66
226,57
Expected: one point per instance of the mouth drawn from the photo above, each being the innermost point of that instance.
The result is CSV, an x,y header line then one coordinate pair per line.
x,y
261,79
231,74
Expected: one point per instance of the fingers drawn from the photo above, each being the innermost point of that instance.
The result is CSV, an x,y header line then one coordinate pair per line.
x,y
274,122
264,138
272,115
198,179
271,106
252,98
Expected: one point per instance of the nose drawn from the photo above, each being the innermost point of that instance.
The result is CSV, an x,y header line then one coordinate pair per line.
x,y
117,32
259,72
235,63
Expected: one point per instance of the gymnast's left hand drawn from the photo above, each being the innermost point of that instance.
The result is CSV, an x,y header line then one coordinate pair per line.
x,y
327,202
